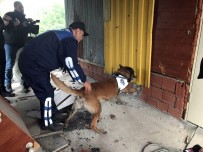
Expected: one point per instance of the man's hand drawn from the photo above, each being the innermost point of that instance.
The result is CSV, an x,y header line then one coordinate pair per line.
x,y
16,22
6,19
88,87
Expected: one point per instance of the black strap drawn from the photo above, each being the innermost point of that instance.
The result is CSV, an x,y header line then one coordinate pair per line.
x,y
200,76
63,100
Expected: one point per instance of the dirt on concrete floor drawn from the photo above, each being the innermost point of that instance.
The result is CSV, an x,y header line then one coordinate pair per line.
x,y
130,127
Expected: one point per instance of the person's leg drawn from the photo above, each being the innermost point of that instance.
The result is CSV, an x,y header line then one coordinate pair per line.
x,y
25,86
45,93
3,91
10,53
17,74
2,69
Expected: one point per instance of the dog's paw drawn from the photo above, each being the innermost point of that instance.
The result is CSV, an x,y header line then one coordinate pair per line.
x,y
101,131
87,126
105,132
66,125
120,102
97,130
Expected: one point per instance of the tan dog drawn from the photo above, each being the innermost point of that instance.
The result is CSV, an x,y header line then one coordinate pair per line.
x,y
105,89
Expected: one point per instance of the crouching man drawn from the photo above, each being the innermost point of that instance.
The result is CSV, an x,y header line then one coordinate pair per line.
x,y
49,51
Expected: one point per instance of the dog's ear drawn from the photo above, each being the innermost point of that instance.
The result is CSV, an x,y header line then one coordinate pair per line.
x,y
120,66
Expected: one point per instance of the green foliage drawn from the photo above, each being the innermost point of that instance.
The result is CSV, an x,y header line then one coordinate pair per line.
x,y
50,13
52,18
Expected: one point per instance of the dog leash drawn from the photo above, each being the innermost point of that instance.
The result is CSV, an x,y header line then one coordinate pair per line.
x,y
63,100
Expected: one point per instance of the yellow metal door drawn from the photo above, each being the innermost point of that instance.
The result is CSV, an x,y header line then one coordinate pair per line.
x,y
128,37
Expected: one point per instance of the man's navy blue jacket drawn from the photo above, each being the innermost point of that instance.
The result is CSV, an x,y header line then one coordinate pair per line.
x,y
50,49
47,52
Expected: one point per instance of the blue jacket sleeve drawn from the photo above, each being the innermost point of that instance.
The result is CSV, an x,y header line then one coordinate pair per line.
x,y
70,49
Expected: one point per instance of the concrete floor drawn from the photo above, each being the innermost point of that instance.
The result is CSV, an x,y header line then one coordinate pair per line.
x,y
129,127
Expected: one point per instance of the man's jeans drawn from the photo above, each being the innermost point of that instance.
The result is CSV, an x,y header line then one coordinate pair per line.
x,y
10,53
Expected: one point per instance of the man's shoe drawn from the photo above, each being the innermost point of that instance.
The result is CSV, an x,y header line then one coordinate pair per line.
x,y
66,109
25,90
53,127
7,94
60,116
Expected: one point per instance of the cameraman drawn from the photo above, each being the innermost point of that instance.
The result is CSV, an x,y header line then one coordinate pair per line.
x,y
15,36
3,23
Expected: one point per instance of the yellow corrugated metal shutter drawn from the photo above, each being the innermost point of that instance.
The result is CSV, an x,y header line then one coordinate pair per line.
x,y
128,37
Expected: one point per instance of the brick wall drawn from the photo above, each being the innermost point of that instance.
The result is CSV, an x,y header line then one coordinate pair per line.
x,y
93,71
166,94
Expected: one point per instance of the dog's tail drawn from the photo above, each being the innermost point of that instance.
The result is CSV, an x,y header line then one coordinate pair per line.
x,y
65,88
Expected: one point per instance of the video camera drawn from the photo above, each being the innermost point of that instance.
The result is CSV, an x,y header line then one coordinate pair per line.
x,y
32,27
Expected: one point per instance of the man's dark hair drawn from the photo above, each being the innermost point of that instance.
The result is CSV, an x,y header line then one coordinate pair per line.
x,y
16,3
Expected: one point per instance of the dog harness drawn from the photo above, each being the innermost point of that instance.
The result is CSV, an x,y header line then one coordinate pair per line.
x,y
121,81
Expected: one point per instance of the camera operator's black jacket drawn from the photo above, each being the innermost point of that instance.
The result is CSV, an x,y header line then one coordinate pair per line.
x,y
16,36
2,56
2,27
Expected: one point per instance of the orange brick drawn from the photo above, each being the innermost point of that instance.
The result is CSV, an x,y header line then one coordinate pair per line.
x,y
85,71
89,67
85,65
156,80
180,101
181,89
152,101
146,91
143,97
89,73
177,113
169,98
156,93
162,106
94,68
169,84
98,77
100,70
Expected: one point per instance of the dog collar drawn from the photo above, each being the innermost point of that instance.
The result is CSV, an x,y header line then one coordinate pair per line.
x,y
122,82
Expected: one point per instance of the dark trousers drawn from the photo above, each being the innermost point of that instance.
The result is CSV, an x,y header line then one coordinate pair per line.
x,y
200,76
39,80
10,53
2,68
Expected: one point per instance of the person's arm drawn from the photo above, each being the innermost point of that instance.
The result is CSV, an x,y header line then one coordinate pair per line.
x,y
4,22
71,62
9,21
